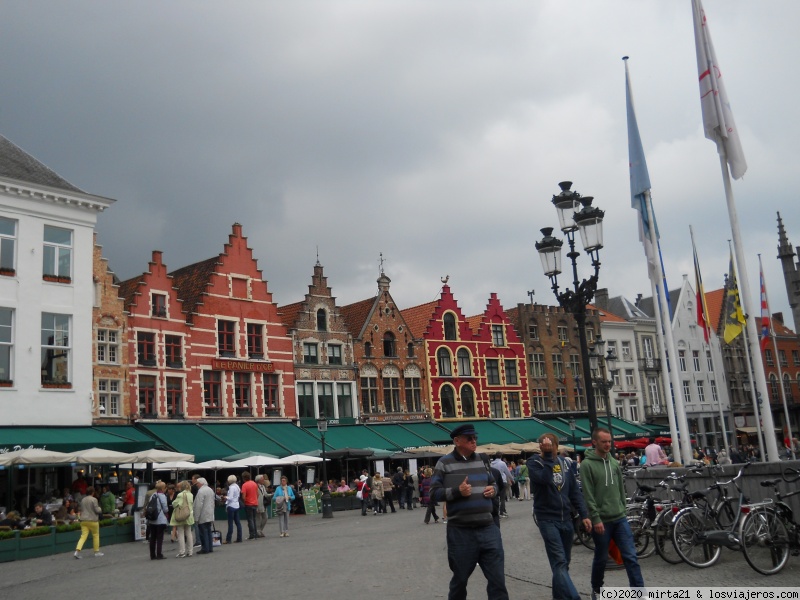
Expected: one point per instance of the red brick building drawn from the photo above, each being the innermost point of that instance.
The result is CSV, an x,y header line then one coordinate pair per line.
x,y
390,359
476,365
206,340
324,370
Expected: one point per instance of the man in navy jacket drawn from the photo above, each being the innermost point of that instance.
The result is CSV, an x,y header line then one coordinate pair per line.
x,y
555,494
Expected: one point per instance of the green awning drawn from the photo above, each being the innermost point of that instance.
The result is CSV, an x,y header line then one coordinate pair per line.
x,y
398,436
352,436
583,433
190,438
243,437
126,431
69,439
489,432
530,429
632,430
657,430
295,439
435,434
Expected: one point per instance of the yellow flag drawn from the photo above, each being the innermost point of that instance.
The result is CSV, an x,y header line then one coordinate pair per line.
x,y
734,317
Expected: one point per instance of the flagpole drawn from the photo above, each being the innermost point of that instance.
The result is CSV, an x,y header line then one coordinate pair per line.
x,y
719,126
771,447
701,292
662,351
681,424
778,361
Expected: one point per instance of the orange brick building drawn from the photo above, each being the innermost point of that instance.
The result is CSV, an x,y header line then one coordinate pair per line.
x,y
206,340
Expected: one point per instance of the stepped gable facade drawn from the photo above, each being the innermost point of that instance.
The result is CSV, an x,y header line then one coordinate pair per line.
x,y
324,368
206,340
110,404
476,364
389,358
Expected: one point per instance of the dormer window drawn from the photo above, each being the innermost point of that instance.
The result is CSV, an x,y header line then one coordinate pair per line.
x,y
498,335
159,305
449,327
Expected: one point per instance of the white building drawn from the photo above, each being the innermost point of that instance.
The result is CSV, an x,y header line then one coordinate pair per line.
x,y
627,398
46,293
700,369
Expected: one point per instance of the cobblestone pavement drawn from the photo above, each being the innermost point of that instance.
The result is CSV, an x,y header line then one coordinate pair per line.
x,y
389,557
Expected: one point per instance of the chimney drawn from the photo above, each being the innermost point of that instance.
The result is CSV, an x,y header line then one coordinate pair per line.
x,y
638,300
778,316
601,298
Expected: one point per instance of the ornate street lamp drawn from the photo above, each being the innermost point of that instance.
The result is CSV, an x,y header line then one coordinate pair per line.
x,y
589,221
327,503
599,363
572,427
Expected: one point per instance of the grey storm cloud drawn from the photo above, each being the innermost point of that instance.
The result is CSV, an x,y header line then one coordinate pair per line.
x,y
433,132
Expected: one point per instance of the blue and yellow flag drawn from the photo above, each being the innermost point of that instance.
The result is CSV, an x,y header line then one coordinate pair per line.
x,y
734,317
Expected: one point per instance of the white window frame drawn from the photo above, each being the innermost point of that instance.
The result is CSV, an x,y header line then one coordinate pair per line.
x,y
8,244
59,250
65,348
7,344
109,396
108,347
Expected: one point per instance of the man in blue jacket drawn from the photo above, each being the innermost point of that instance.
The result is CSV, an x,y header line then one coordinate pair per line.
x,y
555,494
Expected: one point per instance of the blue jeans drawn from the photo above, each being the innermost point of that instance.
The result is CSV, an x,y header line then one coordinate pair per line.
x,y
206,541
467,546
620,532
557,536
233,517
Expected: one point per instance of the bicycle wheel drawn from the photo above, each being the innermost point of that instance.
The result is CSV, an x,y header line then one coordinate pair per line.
x,y
765,540
726,515
662,538
688,533
640,528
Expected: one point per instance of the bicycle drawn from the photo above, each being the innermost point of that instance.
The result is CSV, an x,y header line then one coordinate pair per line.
x,y
642,513
697,532
769,532
662,527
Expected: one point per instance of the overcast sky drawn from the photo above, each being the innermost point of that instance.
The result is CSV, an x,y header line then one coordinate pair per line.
x,y
434,132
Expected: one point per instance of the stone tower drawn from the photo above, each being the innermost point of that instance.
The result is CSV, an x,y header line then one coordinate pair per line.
x,y
791,272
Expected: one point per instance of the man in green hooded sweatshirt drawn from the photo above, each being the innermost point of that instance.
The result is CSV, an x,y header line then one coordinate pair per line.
x,y
604,492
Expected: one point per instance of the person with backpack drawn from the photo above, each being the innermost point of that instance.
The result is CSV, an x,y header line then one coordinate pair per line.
x,y
556,494
182,519
363,493
156,514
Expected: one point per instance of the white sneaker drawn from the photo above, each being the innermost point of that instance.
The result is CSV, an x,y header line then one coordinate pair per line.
x,y
77,554
99,554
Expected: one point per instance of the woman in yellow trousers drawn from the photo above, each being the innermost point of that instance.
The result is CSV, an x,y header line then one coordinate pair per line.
x,y
90,513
